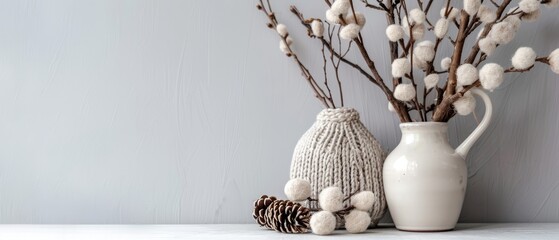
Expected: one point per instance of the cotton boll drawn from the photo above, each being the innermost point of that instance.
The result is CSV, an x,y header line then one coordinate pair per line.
x,y
523,58
529,6
282,29
502,33
552,3
431,80
289,40
441,28
420,63
454,12
360,19
445,63
491,76
331,199
284,48
333,17
487,46
417,15
350,31
418,31
357,221
514,21
465,105
323,223
554,63
400,67
394,32
340,7
425,51
466,74
531,17
297,189
317,28
405,22
555,53
486,15
472,6
391,107
404,92
363,200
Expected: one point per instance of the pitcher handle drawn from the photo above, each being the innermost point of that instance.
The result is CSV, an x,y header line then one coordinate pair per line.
x,y
463,149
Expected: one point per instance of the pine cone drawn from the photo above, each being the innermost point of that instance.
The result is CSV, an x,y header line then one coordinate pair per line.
x,y
260,206
287,217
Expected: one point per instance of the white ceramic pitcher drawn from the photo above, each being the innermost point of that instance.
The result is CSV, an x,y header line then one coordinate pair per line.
x,y
425,178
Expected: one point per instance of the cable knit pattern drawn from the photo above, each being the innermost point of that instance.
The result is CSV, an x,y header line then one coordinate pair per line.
x,y
338,150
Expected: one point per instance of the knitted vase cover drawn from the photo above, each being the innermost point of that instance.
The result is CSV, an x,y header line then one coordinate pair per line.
x,y
338,150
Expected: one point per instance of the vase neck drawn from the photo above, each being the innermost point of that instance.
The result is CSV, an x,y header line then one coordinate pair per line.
x,y
424,132
343,114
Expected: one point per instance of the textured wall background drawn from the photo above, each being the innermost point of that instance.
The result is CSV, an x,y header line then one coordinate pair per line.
x,y
186,111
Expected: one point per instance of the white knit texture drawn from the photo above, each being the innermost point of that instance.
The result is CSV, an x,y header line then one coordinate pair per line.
x,y
471,6
323,223
523,58
441,28
357,221
317,28
529,6
491,76
394,32
502,33
466,74
338,150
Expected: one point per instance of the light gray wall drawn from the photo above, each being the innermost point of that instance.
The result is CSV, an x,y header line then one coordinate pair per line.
x,y
186,111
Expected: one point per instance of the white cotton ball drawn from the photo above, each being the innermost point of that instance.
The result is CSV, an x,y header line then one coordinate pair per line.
x,y
400,67
431,80
417,15
394,32
420,63
491,76
486,15
531,17
454,12
445,63
350,31
391,107
282,29
297,189
554,63
502,33
441,28
317,28
283,47
487,46
357,221
405,22
554,53
360,19
465,105
514,20
333,17
363,200
340,7
472,6
466,74
418,31
331,199
523,58
529,6
552,3
424,51
323,223
289,40
404,92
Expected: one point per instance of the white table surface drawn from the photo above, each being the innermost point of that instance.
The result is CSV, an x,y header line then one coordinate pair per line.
x,y
532,231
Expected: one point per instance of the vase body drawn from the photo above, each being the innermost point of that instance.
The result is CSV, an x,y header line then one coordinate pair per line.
x,y
425,178
338,150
